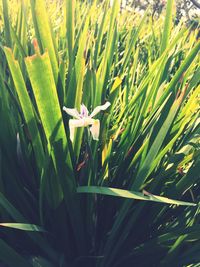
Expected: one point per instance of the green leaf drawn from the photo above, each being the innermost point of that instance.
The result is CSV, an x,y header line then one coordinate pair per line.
x,y
70,6
144,170
23,227
27,107
44,88
130,194
167,26
17,216
44,32
6,23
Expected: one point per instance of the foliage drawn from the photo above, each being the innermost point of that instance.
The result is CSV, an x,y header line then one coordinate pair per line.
x,y
185,9
129,199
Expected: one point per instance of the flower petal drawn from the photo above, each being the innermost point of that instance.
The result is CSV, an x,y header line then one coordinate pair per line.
x,y
88,121
74,124
72,112
94,129
99,108
84,111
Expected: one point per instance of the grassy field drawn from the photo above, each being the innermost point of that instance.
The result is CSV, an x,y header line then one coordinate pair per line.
x,y
120,185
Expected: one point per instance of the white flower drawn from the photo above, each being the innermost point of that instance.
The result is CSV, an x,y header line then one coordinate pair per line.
x,y
83,119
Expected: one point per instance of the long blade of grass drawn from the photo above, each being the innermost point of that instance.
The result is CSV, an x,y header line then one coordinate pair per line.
x,y
167,26
44,33
26,107
130,194
23,227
